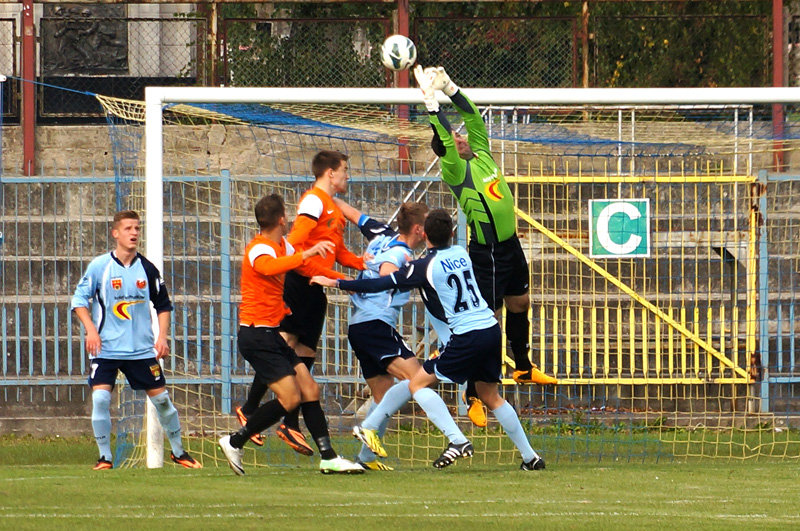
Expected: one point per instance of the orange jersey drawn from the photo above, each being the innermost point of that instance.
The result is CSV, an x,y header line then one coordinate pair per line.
x,y
263,269
319,219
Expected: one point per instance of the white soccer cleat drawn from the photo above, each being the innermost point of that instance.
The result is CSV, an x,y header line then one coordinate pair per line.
x,y
339,465
233,455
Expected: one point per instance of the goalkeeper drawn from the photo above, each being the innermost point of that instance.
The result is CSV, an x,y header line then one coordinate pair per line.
x,y
476,181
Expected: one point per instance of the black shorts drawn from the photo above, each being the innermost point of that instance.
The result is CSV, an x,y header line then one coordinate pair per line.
x,y
309,306
267,352
500,270
376,344
474,356
142,375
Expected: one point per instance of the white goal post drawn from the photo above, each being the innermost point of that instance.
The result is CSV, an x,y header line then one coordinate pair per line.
x,y
157,97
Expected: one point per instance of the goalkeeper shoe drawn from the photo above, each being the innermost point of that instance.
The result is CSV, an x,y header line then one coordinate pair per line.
x,y
537,463
295,439
476,410
185,460
339,465
375,465
453,452
256,438
233,455
103,464
533,375
370,439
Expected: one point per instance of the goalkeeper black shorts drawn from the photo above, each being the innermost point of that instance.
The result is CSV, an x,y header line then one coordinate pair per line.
x,y
500,270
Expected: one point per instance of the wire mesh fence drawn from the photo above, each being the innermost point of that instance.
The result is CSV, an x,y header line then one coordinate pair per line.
x,y
502,52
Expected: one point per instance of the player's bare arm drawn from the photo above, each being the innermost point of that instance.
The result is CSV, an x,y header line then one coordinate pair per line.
x,y
162,342
319,248
93,342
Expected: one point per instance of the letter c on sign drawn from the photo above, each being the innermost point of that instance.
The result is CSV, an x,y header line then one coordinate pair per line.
x,y
605,237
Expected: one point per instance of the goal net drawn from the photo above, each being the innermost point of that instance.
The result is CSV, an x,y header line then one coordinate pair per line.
x,y
639,211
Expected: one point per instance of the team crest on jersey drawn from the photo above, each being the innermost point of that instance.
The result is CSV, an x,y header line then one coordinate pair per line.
x,y
121,310
141,283
491,190
156,371
116,283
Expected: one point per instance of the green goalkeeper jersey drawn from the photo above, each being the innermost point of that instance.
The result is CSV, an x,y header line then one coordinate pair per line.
x,y
478,184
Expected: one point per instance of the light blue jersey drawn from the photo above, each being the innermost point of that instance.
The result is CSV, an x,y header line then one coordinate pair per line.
x,y
384,246
118,299
448,286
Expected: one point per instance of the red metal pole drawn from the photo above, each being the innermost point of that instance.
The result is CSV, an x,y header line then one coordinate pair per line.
x,y
403,153
28,89
777,81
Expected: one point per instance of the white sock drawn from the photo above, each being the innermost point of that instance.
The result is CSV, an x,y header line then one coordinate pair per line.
x,y
101,421
168,416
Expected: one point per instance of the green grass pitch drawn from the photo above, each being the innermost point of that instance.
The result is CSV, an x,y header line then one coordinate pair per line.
x,y
49,484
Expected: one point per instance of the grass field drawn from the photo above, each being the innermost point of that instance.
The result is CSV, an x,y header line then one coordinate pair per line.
x,y
50,484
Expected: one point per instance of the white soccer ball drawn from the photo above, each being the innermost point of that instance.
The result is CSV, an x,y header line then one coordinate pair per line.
x,y
398,52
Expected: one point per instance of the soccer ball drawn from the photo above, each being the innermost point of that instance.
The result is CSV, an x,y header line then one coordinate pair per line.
x,y
398,52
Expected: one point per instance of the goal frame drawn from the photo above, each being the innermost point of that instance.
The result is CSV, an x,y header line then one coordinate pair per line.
x,y
157,97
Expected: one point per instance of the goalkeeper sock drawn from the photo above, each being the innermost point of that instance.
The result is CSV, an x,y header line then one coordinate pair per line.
x,y
254,396
168,416
509,420
518,332
318,427
396,397
265,416
292,418
101,421
437,412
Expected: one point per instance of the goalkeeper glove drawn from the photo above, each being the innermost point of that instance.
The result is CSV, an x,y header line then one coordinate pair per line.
x,y
425,79
443,82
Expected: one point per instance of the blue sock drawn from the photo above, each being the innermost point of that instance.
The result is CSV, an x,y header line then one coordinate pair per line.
x,y
437,412
508,418
101,421
396,397
168,416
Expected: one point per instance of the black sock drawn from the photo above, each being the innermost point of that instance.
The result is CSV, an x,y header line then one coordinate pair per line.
x,y
254,396
471,391
318,427
292,418
263,417
518,333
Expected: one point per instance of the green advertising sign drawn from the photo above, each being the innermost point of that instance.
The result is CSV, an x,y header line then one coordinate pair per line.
x,y
619,228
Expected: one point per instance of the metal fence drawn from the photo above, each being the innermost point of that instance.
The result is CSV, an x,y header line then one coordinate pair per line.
x,y
53,226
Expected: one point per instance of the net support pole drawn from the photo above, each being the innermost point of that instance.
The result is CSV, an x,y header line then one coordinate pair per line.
x,y
154,245
225,274
763,295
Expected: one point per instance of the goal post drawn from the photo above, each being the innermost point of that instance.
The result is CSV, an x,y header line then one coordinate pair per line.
x,y
656,342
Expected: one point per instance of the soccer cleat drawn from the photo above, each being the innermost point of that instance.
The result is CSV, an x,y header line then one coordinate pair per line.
x,y
185,460
339,465
256,438
103,464
533,375
295,439
476,410
370,439
453,452
374,465
537,463
233,455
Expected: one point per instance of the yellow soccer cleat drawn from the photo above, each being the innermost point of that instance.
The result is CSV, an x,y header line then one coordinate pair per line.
x,y
375,465
370,439
534,375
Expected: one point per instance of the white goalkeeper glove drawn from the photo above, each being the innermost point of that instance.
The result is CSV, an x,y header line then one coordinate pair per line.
x,y
443,82
425,79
